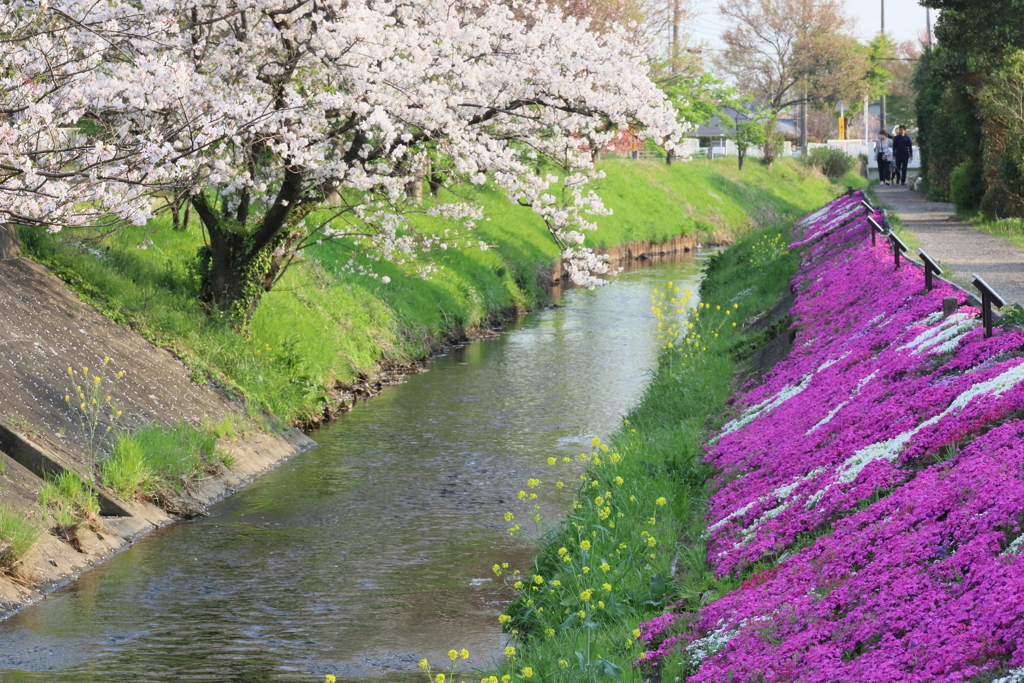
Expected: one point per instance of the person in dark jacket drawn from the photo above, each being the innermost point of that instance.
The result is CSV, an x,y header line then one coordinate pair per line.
x,y
902,153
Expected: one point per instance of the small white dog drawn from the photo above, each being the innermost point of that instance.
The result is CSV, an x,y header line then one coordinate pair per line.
x,y
913,182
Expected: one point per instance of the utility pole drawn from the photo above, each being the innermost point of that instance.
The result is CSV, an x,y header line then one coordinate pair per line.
x,y
928,20
675,36
803,121
882,108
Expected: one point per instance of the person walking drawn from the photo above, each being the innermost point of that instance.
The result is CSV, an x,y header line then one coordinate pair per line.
x,y
902,152
883,155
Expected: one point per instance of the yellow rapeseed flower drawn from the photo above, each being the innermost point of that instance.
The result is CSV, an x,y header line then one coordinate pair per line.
x,y
585,595
439,678
464,653
453,655
652,541
509,516
661,501
330,679
551,461
562,664
424,664
537,579
606,586
605,566
510,652
556,582
527,672
636,633
585,545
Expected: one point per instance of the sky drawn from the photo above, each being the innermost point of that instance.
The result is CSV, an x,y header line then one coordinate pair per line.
x,y
904,19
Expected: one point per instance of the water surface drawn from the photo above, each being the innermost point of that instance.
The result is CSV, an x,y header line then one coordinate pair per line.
x,y
372,550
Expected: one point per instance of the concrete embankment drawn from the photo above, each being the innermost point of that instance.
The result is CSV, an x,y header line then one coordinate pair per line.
x,y
44,330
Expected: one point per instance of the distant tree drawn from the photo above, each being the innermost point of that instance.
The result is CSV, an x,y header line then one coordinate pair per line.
x,y
747,133
974,40
790,52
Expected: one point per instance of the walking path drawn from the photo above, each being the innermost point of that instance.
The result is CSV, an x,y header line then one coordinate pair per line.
x,y
957,246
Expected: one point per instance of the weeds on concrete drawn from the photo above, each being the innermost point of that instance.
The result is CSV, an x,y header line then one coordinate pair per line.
x,y
93,403
69,504
18,534
164,458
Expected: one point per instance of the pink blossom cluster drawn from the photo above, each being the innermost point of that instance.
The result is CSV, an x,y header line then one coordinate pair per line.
x,y
861,471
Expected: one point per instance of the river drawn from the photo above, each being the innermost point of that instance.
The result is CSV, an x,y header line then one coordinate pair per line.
x,y
372,550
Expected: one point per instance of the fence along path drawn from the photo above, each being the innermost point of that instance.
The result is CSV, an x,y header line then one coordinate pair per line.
x,y
961,250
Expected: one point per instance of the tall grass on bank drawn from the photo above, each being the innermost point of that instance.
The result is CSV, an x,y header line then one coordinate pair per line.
x,y
160,456
632,544
323,324
18,534
68,503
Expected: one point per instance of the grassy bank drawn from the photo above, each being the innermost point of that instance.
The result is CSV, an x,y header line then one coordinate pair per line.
x,y
633,542
324,325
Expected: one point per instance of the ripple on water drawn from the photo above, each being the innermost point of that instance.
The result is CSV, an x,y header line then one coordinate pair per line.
x,y
374,549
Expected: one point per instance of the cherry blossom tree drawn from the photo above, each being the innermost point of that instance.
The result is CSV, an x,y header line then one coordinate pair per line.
x,y
269,110
49,172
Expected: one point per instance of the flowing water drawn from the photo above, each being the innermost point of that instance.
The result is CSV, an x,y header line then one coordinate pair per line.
x,y
373,549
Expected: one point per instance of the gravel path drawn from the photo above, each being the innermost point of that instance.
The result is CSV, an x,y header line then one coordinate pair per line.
x,y
957,246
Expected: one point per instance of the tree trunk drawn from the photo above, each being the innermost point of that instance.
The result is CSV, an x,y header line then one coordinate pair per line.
x,y
414,188
670,156
235,269
10,247
770,141
740,155
435,182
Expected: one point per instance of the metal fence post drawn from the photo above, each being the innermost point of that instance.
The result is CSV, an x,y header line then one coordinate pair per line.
x,y
988,299
897,248
930,268
876,229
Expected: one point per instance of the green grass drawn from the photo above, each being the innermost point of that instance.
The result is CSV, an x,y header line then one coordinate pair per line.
x,y
322,325
633,542
1010,228
158,456
18,534
68,502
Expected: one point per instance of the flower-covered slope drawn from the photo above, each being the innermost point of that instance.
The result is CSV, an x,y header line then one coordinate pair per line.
x,y
894,544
